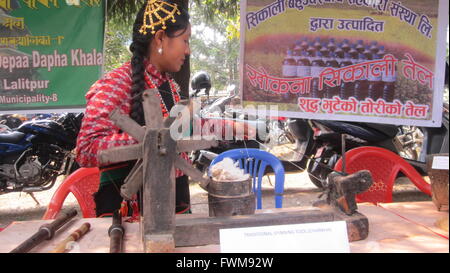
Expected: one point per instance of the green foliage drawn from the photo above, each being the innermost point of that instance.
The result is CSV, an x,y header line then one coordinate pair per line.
x,y
215,45
217,54
212,8
117,38
124,10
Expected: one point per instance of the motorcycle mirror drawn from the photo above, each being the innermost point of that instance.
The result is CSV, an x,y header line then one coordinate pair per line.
x,y
232,90
201,80
231,87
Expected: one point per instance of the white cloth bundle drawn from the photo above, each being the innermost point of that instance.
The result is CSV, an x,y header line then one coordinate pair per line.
x,y
227,170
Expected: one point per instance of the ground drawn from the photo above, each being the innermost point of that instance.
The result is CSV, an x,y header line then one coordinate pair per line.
x,y
299,191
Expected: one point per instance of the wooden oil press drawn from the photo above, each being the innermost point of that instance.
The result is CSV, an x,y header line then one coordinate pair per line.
x,y
157,157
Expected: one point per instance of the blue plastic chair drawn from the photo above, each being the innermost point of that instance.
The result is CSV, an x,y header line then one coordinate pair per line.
x,y
254,162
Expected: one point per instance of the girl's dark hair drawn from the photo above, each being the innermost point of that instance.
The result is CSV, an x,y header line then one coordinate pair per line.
x,y
139,48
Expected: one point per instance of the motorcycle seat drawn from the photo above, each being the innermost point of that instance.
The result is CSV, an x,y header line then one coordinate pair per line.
x,y
368,131
388,129
14,137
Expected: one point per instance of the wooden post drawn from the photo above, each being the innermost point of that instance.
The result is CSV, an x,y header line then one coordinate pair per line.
x,y
158,221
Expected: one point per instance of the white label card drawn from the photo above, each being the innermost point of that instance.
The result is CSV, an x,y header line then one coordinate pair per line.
x,y
440,163
328,237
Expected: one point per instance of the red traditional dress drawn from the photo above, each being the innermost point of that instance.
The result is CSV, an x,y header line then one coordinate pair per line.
x,y
113,90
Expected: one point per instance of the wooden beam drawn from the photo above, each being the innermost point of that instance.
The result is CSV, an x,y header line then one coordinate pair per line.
x,y
127,124
134,181
152,109
194,145
196,231
158,221
120,154
195,174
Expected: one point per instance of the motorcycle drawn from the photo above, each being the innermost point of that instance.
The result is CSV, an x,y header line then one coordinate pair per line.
x,y
217,110
33,155
11,121
320,142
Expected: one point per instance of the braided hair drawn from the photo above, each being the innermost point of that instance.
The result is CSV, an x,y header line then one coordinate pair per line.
x,y
139,48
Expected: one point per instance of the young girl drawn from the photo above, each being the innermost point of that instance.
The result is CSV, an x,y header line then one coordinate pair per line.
x,y
160,45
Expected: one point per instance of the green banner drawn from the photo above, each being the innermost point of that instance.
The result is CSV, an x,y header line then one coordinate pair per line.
x,y
51,52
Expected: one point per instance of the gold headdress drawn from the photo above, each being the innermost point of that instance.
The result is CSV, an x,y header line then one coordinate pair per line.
x,y
152,9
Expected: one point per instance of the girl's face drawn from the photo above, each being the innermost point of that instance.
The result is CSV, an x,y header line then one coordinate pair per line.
x,y
175,50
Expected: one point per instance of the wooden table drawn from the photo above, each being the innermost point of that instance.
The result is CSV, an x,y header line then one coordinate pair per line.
x,y
394,227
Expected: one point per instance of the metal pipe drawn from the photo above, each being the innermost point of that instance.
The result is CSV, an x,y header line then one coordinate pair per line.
x,y
116,232
46,232
343,152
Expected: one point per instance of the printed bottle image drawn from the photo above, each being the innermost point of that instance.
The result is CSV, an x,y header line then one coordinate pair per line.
x,y
347,88
374,47
317,65
324,50
289,70
332,61
311,50
331,45
339,52
375,83
381,51
338,55
388,80
345,46
389,86
304,44
317,44
367,53
353,52
296,53
360,46
303,67
361,85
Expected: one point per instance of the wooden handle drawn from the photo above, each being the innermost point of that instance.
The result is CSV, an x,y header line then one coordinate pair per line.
x,y
61,247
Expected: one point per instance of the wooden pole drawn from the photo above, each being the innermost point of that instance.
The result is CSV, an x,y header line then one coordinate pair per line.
x,y
158,221
77,234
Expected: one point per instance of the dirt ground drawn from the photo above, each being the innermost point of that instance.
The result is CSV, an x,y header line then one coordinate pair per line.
x,y
298,191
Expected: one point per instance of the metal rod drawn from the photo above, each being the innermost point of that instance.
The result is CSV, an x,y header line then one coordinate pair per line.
x,y
46,232
343,152
116,232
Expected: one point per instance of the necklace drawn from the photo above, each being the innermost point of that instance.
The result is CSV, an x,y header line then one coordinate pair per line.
x,y
164,107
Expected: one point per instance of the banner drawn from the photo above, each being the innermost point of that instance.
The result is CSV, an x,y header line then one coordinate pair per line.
x,y
378,61
51,52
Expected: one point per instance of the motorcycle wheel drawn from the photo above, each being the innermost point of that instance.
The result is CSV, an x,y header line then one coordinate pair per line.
x,y
317,172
